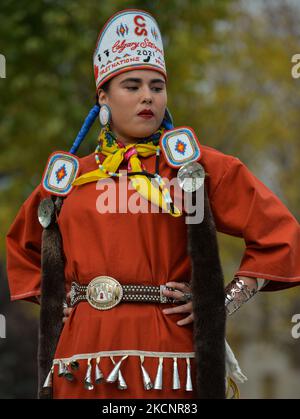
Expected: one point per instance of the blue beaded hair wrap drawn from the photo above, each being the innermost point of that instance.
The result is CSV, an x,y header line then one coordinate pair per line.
x,y
90,119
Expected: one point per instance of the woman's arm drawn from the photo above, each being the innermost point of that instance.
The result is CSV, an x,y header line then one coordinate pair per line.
x,y
244,207
23,251
237,293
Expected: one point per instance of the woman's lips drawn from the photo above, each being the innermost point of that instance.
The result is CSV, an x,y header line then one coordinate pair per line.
x,y
146,116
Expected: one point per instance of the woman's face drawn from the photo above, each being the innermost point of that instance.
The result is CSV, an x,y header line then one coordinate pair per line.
x,y
131,93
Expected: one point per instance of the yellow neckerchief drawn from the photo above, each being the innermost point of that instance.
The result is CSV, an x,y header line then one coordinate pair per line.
x,y
116,154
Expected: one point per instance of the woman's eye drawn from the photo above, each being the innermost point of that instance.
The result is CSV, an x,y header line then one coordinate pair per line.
x,y
155,89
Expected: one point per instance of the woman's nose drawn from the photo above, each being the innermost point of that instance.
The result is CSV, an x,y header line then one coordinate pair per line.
x,y
147,95
147,100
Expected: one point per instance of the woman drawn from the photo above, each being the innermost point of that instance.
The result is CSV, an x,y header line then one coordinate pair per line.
x,y
134,350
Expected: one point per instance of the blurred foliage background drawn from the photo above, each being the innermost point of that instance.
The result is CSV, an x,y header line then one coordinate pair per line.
x,y
229,68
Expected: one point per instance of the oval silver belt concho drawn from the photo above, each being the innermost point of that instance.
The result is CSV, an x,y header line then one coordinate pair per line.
x,y
104,292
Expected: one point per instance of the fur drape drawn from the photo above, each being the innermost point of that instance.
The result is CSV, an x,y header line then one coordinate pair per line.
x,y
207,285
52,297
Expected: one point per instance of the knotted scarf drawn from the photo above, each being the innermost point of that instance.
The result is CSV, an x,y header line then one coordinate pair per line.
x,y
116,153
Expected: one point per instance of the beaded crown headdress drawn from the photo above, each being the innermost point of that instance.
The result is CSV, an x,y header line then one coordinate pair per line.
x,y
129,40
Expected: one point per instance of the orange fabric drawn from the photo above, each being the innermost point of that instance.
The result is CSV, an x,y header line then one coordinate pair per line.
x,y
149,249
244,207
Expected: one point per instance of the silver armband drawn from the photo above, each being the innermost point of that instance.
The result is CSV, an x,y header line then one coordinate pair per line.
x,y
237,293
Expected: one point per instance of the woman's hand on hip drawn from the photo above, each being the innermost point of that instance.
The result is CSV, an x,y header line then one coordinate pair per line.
x,y
67,310
179,294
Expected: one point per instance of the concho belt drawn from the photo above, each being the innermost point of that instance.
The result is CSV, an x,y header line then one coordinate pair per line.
x,y
105,292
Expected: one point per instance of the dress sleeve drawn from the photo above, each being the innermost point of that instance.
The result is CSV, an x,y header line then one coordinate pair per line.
x,y
244,207
23,250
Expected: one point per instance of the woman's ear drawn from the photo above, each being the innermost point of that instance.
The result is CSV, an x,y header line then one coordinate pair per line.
x,y
102,99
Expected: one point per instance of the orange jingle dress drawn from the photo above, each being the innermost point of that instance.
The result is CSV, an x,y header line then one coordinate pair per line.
x,y
148,249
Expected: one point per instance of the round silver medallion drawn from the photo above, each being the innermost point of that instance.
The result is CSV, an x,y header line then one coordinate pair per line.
x,y
104,292
46,212
191,176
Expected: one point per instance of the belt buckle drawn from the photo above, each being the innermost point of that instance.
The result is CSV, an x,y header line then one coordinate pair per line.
x,y
104,292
